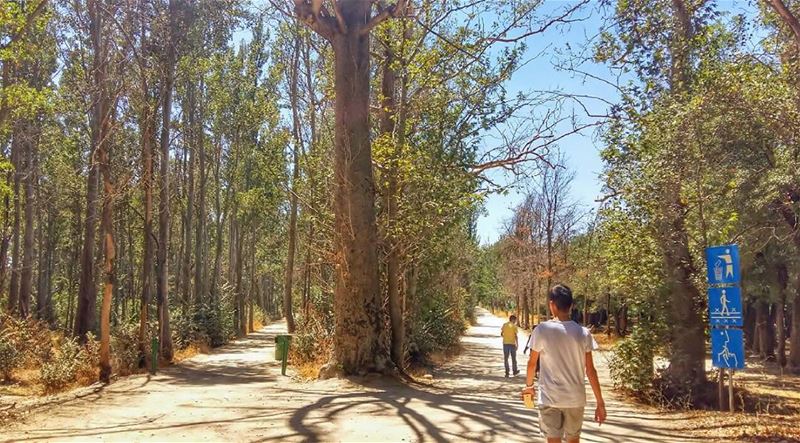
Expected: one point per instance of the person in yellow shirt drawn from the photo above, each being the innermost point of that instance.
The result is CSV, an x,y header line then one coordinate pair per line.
x,y
509,334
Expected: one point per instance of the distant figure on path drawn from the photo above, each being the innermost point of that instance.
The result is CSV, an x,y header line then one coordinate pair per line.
x,y
565,349
509,334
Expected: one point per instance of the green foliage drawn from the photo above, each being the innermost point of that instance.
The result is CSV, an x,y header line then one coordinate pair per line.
x,y
70,363
125,349
203,323
631,363
10,357
439,324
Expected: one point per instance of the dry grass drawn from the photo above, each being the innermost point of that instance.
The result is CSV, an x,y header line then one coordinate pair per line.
x,y
604,341
199,347
741,427
770,399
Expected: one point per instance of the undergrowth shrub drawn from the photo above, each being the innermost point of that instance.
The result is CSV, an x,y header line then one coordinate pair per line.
x,y
10,358
439,324
71,362
631,363
23,343
313,343
204,323
125,349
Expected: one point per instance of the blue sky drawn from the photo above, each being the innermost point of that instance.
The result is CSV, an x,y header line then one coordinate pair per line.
x,y
581,151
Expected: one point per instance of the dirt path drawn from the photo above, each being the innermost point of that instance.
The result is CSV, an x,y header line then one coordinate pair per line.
x,y
237,394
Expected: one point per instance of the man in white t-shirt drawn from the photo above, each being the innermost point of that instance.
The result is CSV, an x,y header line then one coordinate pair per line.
x,y
563,350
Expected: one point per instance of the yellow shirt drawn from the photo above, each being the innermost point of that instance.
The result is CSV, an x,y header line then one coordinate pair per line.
x,y
509,333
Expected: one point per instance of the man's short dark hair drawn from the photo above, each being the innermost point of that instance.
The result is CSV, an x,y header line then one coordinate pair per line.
x,y
512,318
561,295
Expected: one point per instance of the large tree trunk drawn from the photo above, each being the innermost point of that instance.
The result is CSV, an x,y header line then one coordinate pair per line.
x,y
147,125
16,160
357,301
189,215
393,128
47,246
6,240
241,313
102,111
109,257
765,339
782,277
28,179
200,240
794,340
221,215
162,276
687,358
288,280
87,289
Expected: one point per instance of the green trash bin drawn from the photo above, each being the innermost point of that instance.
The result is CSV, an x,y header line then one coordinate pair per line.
x,y
282,343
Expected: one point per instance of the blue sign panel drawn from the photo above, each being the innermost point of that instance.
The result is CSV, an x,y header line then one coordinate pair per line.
x,y
723,264
727,348
725,306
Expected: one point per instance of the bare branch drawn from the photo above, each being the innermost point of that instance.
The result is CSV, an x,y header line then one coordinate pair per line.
x,y
561,19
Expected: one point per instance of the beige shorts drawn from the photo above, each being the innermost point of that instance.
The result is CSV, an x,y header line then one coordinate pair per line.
x,y
560,422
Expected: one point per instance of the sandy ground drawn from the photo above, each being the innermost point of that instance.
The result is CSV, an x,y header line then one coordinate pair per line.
x,y
238,394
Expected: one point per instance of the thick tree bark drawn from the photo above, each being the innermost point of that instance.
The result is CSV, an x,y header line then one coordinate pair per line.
x,y
688,332
162,276
357,304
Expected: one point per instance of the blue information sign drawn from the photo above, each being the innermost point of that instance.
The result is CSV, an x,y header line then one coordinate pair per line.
x,y
727,348
723,264
725,306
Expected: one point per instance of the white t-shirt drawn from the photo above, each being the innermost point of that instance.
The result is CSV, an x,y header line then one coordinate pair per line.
x,y
562,348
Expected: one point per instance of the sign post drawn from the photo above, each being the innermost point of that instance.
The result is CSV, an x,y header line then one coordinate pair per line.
x,y
725,313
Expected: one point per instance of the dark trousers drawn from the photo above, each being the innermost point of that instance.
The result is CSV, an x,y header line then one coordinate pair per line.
x,y
512,351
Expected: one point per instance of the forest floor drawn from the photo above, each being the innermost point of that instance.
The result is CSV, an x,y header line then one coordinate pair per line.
x,y
236,393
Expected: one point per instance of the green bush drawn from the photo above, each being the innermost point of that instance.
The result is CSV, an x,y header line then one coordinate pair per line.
x,y
439,324
71,362
632,362
304,347
204,323
125,349
10,358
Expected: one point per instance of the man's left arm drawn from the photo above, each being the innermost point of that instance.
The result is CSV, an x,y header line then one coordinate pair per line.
x,y
530,373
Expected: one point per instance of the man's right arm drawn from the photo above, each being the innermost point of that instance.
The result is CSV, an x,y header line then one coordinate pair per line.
x,y
594,381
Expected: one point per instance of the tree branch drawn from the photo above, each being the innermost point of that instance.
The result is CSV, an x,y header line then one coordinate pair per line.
x,y
788,18
396,10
